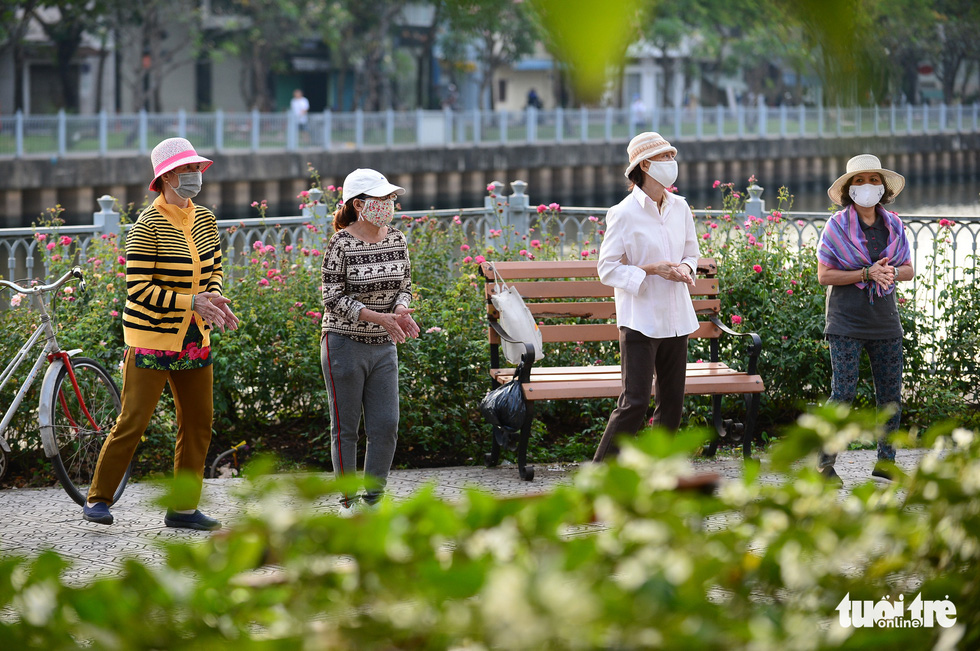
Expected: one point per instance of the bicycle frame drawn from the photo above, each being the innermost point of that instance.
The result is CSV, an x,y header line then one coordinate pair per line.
x,y
51,353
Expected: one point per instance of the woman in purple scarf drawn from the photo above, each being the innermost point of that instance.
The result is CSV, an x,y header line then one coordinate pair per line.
x,y
862,253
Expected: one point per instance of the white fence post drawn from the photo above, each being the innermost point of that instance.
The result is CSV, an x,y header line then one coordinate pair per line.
x,y
256,119
144,126
584,123
219,130
559,124
182,123
62,135
359,128
106,221
19,133
103,132
477,126
389,128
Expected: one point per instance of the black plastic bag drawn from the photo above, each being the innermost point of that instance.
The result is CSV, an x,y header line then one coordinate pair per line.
x,y
505,406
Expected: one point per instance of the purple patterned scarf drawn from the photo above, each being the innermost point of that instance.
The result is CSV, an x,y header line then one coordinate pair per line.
x,y
844,246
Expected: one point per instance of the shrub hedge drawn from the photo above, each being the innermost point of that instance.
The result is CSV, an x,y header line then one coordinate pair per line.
x,y
268,384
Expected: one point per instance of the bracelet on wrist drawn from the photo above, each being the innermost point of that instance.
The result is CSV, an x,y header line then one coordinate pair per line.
x,y
193,296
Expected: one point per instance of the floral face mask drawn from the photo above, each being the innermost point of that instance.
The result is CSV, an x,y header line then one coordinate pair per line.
x,y
379,212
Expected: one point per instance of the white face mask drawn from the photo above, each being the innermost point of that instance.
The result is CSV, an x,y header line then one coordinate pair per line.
x,y
866,195
663,172
188,184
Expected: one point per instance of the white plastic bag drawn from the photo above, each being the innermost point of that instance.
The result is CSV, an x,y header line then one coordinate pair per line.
x,y
516,320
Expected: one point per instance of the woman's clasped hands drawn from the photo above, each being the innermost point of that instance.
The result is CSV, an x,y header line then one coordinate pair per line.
x,y
214,309
677,272
882,273
399,325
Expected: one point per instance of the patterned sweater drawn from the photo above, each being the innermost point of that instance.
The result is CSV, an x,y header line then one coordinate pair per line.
x,y
171,254
357,275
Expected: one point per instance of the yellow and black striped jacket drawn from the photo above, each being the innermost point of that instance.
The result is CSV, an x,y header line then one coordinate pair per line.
x,y
172,254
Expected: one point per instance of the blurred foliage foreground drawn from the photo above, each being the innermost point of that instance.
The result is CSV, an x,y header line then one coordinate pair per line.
x,y
615,559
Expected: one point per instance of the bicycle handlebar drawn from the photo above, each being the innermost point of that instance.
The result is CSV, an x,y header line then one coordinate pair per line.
x,y
74,272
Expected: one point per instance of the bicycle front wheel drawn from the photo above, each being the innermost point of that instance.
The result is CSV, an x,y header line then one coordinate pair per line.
x,y
79,438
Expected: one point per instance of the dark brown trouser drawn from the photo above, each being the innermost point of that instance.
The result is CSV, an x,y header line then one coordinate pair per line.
x,y
646,363
192,390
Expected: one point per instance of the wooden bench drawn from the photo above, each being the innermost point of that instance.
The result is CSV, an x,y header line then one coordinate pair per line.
x,y
572,305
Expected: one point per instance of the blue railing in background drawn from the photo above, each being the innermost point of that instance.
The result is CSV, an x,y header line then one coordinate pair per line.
x,y
63,135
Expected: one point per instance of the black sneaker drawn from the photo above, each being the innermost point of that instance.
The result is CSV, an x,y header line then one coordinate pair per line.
x,y
831,476
98,513
886,470
195,520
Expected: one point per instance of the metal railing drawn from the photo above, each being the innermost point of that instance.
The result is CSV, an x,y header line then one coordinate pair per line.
x,y
62,135
503,219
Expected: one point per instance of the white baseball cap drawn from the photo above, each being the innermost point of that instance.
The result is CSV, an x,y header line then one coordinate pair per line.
x,y
369,182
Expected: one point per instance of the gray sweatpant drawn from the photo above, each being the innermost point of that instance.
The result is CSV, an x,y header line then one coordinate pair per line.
x,y
361,378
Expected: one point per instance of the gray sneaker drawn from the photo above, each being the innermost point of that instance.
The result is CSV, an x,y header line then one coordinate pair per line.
x,y
98,513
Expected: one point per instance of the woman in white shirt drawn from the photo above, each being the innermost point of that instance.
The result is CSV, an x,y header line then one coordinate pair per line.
x,y
649,255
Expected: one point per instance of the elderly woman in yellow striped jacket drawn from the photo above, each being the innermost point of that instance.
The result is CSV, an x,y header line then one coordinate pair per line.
x,y
173,283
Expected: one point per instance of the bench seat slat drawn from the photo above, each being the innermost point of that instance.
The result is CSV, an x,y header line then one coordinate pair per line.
x,y
516,269
607,388
593,288
577,373
606,309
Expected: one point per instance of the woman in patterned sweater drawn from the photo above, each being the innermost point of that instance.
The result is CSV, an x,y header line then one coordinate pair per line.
x,y
367,288
173,281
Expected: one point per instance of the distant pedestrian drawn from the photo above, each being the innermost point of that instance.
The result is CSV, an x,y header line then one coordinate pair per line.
x,y
173,279
863,252
300,107
649,254
534,100
367,289
638,111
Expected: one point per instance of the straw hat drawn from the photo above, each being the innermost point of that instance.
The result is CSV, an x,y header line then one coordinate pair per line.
x,y
171,154
864,163
646,145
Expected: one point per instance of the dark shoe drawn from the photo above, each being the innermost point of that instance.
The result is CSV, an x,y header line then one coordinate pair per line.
x,y
195,520
98,512
831,476
886,470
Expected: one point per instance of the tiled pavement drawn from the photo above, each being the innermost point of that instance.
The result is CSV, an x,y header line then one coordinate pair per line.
x,y
37,519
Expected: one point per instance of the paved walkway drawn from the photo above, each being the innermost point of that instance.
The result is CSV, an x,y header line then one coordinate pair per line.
x,y
45,518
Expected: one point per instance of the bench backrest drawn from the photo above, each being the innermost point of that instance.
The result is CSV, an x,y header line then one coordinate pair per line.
x,y
570,290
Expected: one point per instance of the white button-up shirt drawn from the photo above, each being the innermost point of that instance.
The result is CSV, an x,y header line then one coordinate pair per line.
x,y
637,233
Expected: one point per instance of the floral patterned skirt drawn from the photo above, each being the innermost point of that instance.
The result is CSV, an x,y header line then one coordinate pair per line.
x,y
191,355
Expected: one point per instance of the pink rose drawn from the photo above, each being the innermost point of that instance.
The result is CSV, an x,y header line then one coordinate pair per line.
x,y
554,206
736,319
541,208
64,240
289,247
523,252
789,292
50,246
258,246
468,259
480,259
465,247
585,254
536,244
706,236
716,184
315,253
263,282
121,260
757,268
41,237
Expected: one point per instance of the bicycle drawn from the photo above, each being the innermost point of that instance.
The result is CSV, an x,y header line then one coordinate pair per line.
x,y
79,401
228,460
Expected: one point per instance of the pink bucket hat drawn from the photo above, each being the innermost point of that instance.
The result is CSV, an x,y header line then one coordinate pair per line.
x,y
171,154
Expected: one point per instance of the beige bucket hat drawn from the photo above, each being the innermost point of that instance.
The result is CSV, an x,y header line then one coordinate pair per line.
x,y
646,145
864,163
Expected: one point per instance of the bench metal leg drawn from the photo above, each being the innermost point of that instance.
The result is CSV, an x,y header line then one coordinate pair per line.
x,y
492,458
526,472
751,413
719,427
